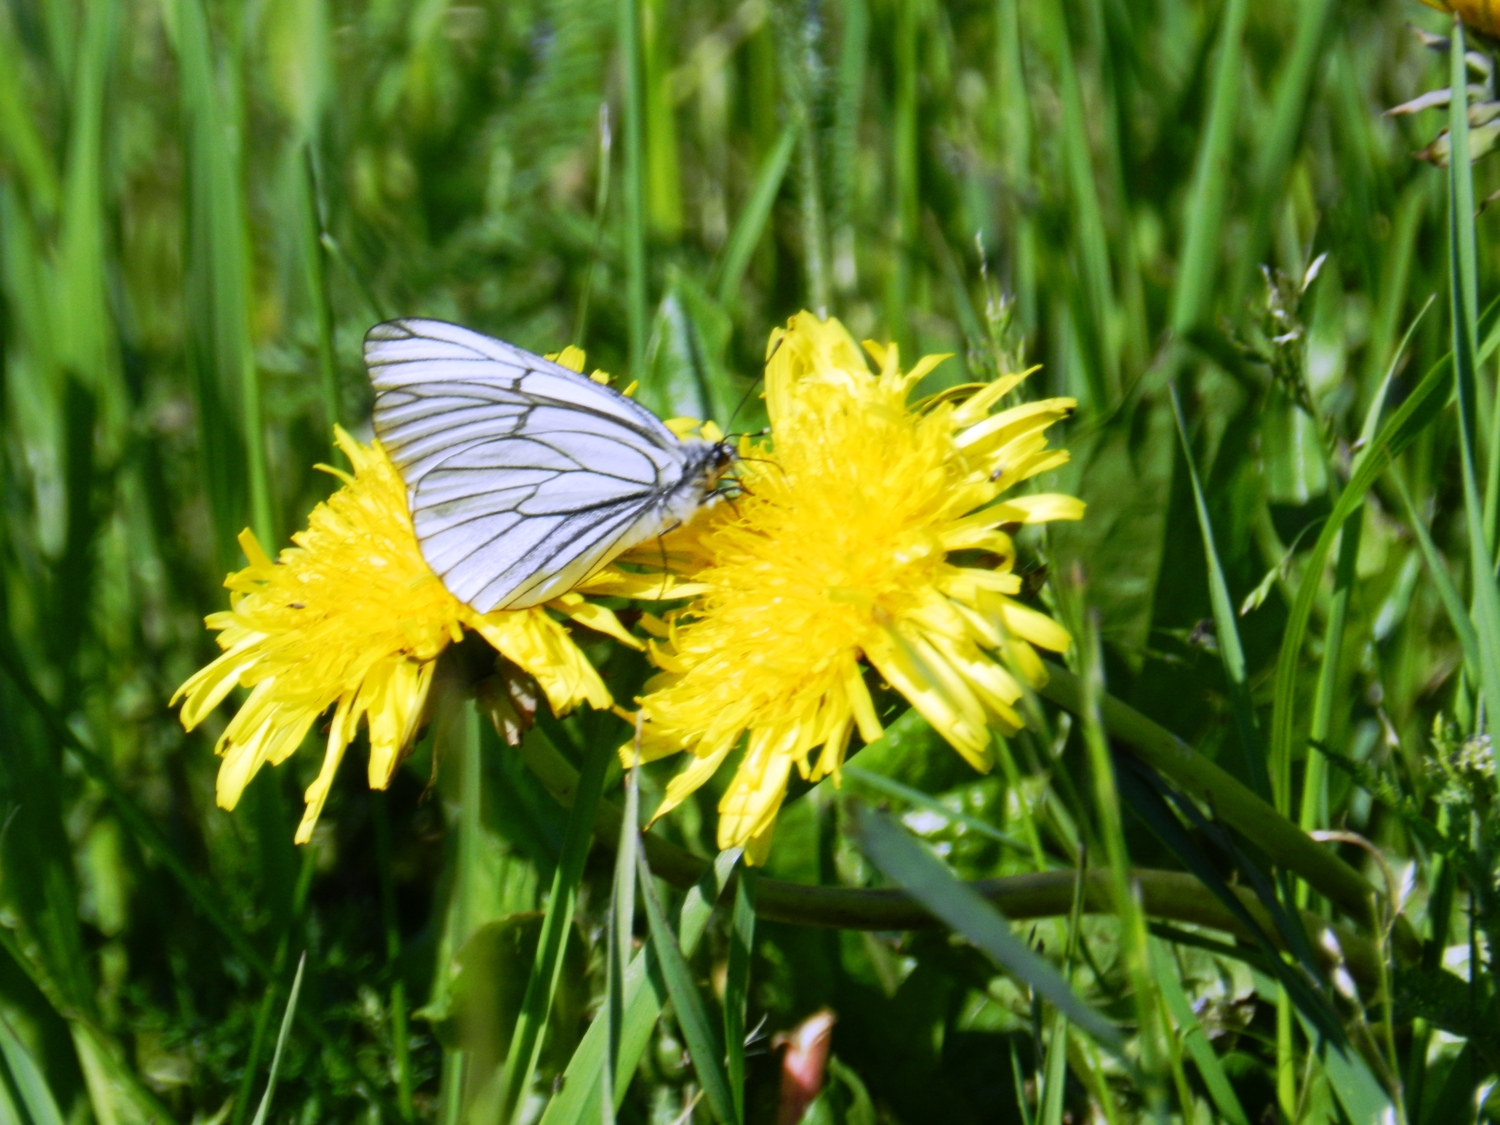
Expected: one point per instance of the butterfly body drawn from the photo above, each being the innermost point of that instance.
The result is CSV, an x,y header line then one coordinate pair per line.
x,y
524,477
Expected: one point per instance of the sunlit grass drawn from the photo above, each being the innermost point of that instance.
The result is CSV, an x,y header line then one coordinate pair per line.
x,y
203,207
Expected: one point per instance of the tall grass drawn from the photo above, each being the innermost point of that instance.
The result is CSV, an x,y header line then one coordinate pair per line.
x,y
1240,866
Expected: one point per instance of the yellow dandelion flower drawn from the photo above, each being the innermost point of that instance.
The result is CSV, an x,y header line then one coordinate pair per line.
x,y
1478,15
870,531
352,619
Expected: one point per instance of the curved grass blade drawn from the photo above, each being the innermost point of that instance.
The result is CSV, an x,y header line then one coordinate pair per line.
x,y
621,933
687,1002
1096,298
1278,137
890,787
541,985
1464,303
737,984
1403,427
155,841
1212,1072
580,1101
751,224
1135,953
220,285
849,89
1231,652
1314,811
1054,1073
314,257
633,193
1442,581
1205,205
281,1041
1143,796
30,1084
1055,1065
1231,799
1359,1091
926,879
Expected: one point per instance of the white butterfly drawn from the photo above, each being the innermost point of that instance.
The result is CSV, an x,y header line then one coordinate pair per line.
x,y
524,477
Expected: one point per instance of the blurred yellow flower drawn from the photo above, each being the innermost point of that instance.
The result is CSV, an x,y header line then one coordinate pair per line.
x,y
868,529
1478,15
352,619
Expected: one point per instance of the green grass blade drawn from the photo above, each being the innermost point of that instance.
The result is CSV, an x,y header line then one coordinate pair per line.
x,y
20,137
1291,102
1464,303
1014,126
1146,798
86,347
1421,407
889,787
737,985
1205,205
621,936
687,1002
1233,801
663,173
152,839
686,376
801,72
1314,811
904,175
633,188
843,145
976,339
1091,240
1354,1084
131,815
959,906
1135,952
1370,428
219,293
1231,651
262,1026
541,985
31,1084
456,739
601,204
1054,1074
1442,581
1209,1068
281,1041
579,1101
315,280
1396,283
400,1035
755,214
1017,1072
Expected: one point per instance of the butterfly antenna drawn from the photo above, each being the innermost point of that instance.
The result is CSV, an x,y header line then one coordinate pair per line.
x,y
744,398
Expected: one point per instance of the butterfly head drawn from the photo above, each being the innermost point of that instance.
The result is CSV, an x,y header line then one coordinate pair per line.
x,y
718,459
722,455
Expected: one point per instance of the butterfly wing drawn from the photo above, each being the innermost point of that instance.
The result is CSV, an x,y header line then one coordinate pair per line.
x,y
523,476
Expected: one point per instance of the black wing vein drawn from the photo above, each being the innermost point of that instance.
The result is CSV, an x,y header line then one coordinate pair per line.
x,y
523,477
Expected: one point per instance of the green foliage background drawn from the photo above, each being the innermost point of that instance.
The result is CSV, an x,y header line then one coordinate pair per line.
x,y
205,203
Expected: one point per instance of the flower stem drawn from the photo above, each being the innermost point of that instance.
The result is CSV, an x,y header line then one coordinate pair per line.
x,y
1172,895
1233,802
